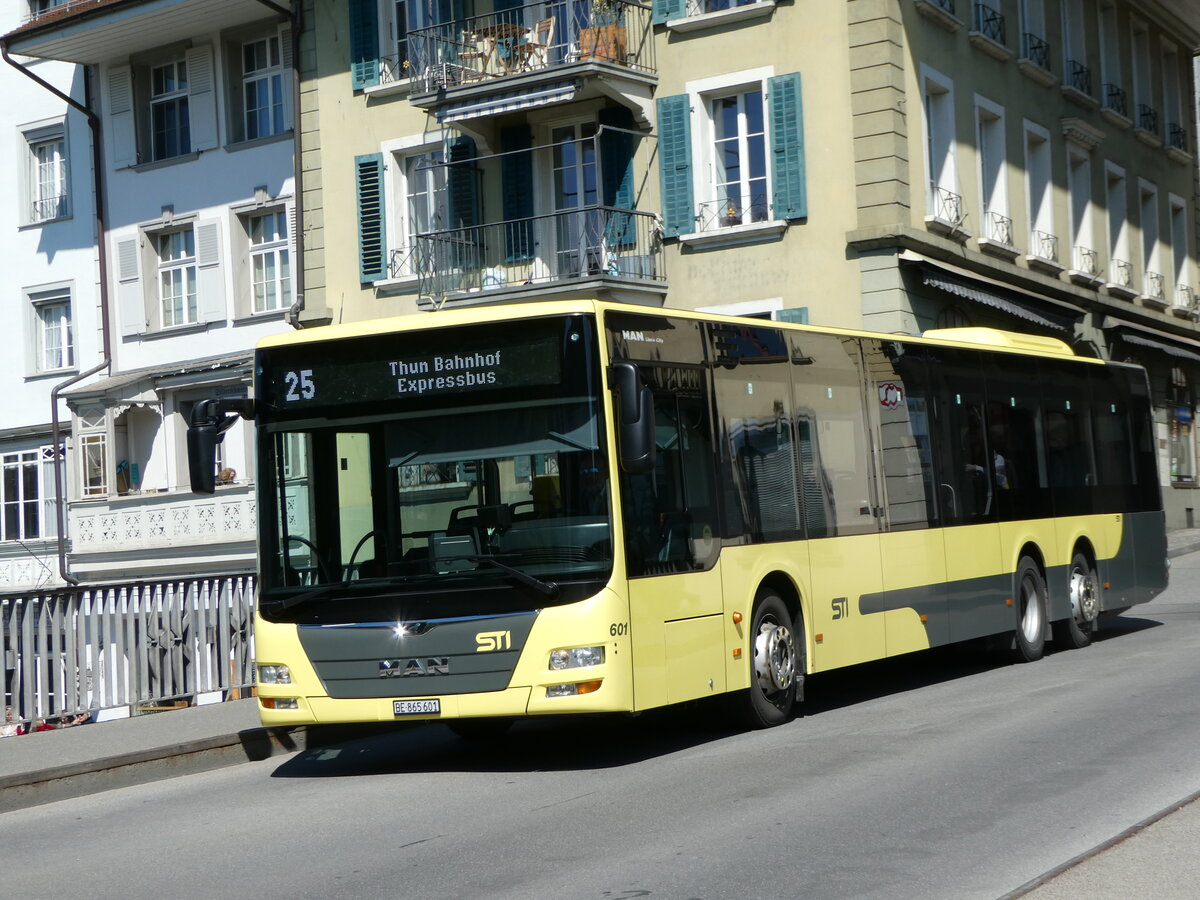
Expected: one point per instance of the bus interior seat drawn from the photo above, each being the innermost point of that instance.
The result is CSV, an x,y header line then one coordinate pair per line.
x,y
547,498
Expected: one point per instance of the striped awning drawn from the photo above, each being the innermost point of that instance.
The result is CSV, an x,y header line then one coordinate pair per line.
x,y
511,101
970,289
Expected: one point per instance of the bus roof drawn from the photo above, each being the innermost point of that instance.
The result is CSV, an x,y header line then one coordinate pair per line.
x,y
990,338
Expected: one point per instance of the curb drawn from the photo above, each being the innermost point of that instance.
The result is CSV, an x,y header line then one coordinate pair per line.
x,y
26,789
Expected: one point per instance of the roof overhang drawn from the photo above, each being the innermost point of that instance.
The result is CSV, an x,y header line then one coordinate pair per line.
x,y
139,387
97,31
1140,336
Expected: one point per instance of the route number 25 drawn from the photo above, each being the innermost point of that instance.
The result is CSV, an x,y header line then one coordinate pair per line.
x,y
299,385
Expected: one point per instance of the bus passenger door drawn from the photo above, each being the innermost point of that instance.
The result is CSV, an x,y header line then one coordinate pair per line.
x,y
671,549
912,549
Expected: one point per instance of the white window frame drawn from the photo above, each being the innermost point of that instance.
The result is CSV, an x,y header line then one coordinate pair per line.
x,y
1172,111
1116,206
1180,268
41,207
1110,49
1081,228
941,153
1074,35
95,471
400,231
40,300
1039,185
993,171
393,44
273,76
277,249
1151,232
178,98
1143,88
183,266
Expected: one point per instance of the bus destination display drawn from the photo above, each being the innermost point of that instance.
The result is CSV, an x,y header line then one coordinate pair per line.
x,y
317,378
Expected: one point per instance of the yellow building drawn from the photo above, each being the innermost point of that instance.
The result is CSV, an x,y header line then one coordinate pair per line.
x,y
893,164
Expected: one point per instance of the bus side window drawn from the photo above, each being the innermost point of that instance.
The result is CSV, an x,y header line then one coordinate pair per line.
x,y
966,467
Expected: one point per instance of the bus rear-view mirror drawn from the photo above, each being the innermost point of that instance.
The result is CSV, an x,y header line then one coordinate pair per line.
x,y
635,425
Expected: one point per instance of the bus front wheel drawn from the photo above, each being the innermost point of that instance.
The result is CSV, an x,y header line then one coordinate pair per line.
x,y
774,663
1084,587
1030,603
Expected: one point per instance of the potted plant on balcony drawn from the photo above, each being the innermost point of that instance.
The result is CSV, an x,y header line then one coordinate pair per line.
x,y
605,38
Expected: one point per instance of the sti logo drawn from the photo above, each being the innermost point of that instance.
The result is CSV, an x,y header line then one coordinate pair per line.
x,y
491,641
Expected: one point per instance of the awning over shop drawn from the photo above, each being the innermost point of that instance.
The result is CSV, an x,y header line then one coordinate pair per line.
x,y
138,387
507,102
1138,336
1042,311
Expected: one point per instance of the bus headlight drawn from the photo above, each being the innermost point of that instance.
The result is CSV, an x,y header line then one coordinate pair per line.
x,y
279,702
573,690
576,658
274,675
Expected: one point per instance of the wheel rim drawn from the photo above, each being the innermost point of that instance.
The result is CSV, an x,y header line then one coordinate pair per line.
x,y
1031,609
774,658
1085,604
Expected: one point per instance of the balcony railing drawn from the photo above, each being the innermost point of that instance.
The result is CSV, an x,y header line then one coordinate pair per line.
x,y
523,40
593,242
49,208
1044,245
989,22
999,228
1087,261
1114,99
1147,118
1120,273
731,211
1036,50
946,205
1080,76
1177,137
1185,297
159,520
1153,283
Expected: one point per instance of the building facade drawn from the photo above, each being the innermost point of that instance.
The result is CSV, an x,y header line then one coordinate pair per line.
x,y
898,165
195,101
48,299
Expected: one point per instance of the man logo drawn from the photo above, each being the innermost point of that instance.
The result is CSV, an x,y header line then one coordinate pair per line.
x,y
407,668
490,641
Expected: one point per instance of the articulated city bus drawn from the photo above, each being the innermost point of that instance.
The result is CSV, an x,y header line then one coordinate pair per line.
x,y
565,507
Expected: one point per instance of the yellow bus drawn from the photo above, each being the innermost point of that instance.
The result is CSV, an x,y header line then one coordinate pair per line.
x,y
567,507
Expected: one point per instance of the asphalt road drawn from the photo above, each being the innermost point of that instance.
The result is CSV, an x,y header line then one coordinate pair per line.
x,y
930,776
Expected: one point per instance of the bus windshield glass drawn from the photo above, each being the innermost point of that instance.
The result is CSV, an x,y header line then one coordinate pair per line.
x,y
456,458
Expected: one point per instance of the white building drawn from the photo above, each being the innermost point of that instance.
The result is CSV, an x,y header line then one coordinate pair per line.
x,y
195,104
48,297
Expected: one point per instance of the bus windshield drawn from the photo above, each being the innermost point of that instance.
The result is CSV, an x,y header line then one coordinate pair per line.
x,y
453,489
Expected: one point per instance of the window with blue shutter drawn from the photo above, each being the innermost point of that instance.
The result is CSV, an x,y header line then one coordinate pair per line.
x,y
364,42
616,174
665,10
516,176
372,233
675,165
462,186
789,197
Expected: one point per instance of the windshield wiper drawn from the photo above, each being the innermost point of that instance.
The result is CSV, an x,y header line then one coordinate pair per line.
x,y
545,588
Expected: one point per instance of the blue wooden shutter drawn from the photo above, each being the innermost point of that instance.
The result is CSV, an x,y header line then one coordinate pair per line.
x,y
789,196
364,42
616,174
667,9
462,186
372,232
675,164
516,175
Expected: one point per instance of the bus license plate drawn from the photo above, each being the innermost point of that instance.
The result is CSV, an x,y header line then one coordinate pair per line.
x,y
416,707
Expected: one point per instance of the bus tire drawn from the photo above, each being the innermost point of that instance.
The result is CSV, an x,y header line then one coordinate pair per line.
x,y
1084,587
1030,607
774,662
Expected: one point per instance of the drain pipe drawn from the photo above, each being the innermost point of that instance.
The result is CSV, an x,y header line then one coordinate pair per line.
x,y
296,16
102,254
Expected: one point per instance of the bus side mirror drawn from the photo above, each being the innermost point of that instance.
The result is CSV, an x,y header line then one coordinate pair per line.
x,y
206,429
635,425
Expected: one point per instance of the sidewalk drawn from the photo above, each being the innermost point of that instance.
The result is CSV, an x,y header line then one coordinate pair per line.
x,y
57,765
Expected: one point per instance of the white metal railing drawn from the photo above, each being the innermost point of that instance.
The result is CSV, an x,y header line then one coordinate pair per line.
x,y
1044,245
727,212
1154,285
126,648
1087,261
1120,273
1000,228
947,205
149,520
1185,297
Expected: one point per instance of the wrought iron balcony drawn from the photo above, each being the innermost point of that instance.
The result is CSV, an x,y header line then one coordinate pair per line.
x,y
1087,261
1177,137
1114,99
1036,50
731,211
1147,118
999,228
525,41
1044,245
598,242
1080,76
1185,297
989,22
1120,273
1153,283
946,205
48,208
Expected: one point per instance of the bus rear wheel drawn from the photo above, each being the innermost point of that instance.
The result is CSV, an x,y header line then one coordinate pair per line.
x,y
1084,587
774,664
1030,604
